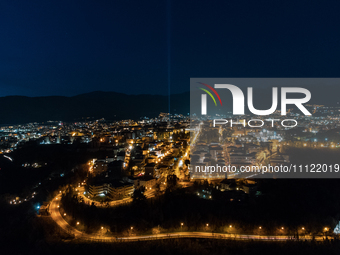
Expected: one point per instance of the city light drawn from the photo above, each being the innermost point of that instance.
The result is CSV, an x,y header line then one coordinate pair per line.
x,y
170,157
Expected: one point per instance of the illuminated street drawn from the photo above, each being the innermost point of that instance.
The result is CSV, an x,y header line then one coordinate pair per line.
x,y
56,216
199,127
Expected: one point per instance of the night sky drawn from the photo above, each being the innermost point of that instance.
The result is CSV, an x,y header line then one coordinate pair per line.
x,y
73,47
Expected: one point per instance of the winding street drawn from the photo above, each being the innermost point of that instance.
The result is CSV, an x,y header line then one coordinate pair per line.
x,y
56,216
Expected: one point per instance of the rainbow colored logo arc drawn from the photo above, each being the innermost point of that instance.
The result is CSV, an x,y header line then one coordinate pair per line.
x,y
209,93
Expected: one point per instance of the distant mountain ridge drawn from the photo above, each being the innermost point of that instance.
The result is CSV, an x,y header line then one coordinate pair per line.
x,y
97,104
118,106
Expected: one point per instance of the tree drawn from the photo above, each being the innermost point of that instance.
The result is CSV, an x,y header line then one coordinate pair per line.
x,y
171,182
157,188
138,194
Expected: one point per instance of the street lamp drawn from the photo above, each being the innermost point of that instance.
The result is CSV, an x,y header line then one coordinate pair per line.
x,y
182,225
260,227
64,214
131,228
207,225
78,223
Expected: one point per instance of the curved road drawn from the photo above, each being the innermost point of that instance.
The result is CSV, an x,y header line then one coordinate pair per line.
x,y
56,216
